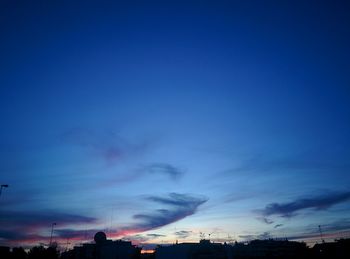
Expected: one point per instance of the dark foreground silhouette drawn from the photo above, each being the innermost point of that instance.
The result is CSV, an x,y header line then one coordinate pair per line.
x,y
37,252
103,248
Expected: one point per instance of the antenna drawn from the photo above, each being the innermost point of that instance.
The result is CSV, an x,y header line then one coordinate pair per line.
x,y
210,234
230,239
321,235
111,225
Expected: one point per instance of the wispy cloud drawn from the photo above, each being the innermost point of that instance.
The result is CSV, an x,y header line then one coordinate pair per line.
x,y
290,209
333,226
179,200
265,220
308,162
38,219
331,230
183,233
165,169
155,235
137,239
178,205
338,225
19,226
76,234
278,225
11,234
25,226
107,144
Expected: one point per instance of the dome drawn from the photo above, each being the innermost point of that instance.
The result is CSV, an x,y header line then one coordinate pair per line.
x,y
100,237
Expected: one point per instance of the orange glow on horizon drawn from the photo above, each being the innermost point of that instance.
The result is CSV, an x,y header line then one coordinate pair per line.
x,y
147,251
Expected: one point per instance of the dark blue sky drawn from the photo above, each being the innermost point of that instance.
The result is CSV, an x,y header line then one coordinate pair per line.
x,y
177,117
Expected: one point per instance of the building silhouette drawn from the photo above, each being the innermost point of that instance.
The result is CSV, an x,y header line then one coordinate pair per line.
x,y
270,249
203,249
104,249
256,249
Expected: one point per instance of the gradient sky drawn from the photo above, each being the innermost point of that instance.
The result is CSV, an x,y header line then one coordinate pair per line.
x,y
157,121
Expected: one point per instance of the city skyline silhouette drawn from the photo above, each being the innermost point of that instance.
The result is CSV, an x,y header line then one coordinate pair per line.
x,y
174,121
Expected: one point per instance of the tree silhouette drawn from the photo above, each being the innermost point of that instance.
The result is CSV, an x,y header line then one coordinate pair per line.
x,y
39,252
18,253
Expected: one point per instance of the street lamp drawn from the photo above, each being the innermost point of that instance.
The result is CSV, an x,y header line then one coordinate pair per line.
x,y
3,186
53,224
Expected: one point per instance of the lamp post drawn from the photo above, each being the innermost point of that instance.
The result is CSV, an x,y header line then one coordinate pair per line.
x,y
3,186
53,224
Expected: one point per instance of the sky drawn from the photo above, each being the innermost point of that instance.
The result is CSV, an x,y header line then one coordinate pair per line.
x,y
158,121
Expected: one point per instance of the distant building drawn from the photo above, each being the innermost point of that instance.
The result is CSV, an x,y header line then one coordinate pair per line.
x,y
203,249
4,252
104,249
338,249
263,249
270,249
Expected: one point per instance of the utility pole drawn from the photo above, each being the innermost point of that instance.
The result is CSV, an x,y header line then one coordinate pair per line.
x,y
53,224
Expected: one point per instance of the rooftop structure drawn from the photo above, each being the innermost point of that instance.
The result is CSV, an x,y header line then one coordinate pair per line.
x,y
104,248
203,249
